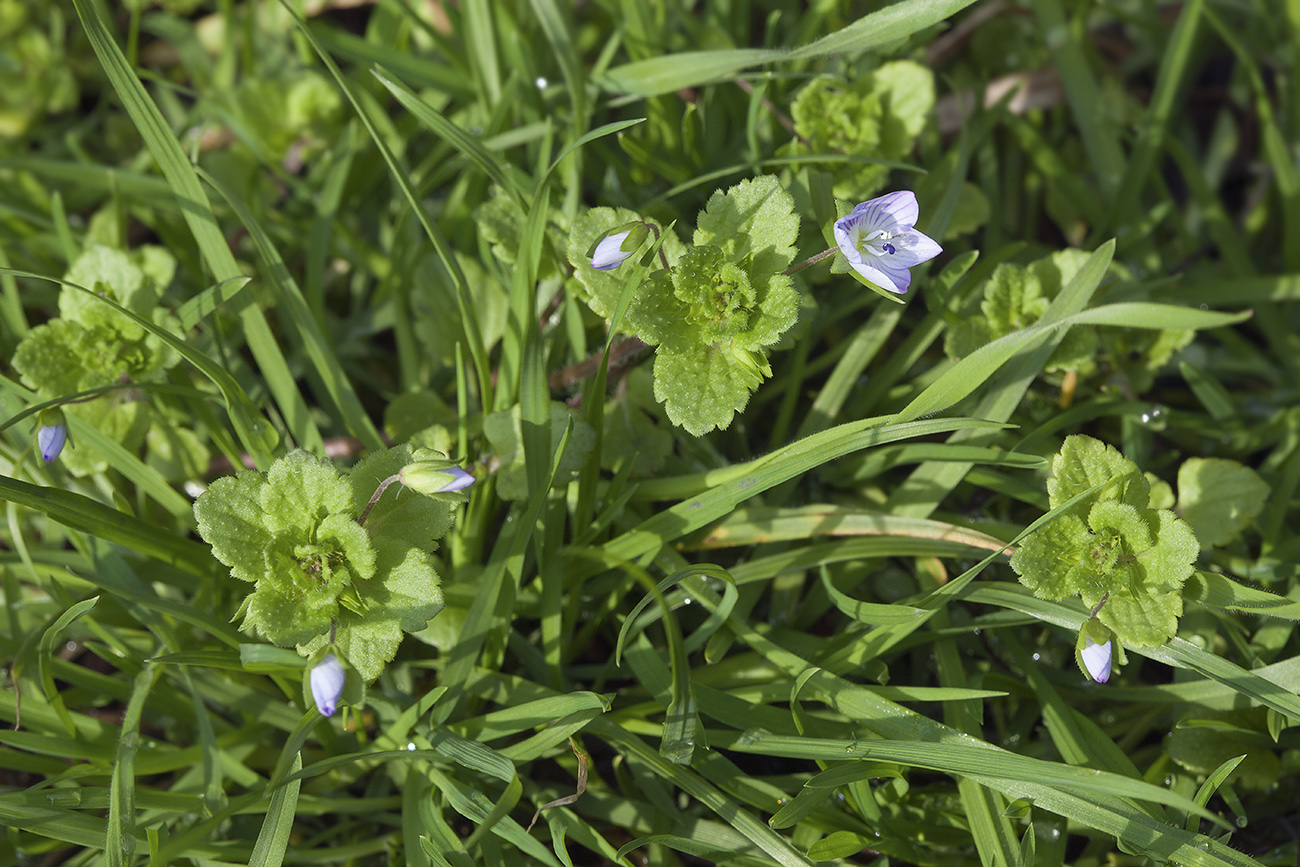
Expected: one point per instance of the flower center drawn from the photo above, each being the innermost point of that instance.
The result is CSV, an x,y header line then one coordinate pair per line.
x,y
877,243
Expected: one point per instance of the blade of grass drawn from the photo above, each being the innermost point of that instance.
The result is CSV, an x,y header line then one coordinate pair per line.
x,y
670,72
1091,113
197,211
119,837
273,840
464,302
1175,59
304,328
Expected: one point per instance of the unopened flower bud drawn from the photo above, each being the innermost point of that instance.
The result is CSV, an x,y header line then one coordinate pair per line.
x,y
1095,649
52,434
434,477
327,678
617,245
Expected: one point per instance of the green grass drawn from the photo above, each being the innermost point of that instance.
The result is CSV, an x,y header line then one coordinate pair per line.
x,y
795,640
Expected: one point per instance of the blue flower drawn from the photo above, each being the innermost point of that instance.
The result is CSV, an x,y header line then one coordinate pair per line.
x,y
879,240
1096,658
327,678
617,245
459,480
52,434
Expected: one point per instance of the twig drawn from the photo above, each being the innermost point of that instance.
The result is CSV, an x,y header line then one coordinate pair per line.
x,y
623,354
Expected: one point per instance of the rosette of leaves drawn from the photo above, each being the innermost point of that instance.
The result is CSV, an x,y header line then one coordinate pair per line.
x,y
35,75
1016,297
294,107
878,116
1111,543
293,534
91,345
724,302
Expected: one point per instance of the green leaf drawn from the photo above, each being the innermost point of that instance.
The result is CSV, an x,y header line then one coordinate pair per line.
x,y
632,431
1212,783
837,845
1203,748
753,222
273,839
1084,462
670,72
81,513
1219,591
504,431
703,387
119,276
403,597
1219,498
293,534
1017,297
1013,299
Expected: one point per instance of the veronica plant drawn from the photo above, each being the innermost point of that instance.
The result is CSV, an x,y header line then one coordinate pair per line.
x,y
1094,649
1112,546
327,678
342,559
90,345
715,308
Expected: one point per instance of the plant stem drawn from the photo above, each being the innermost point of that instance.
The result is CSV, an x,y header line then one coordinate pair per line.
x,y
379,492
813,260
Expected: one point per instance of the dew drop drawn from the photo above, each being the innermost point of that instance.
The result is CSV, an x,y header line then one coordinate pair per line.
x,y
541,83
1036,657
1153,416
410,747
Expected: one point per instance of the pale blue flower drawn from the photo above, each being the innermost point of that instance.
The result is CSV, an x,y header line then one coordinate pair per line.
x,y
459,480
617,245
52,434
1096,658
327,678
879,240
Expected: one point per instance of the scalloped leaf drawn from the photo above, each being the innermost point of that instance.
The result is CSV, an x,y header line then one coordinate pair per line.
x,y
703,387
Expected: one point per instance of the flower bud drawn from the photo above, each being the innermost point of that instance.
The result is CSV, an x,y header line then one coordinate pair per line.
x,y
327,678
52,434
616,245
1095,648
434,477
